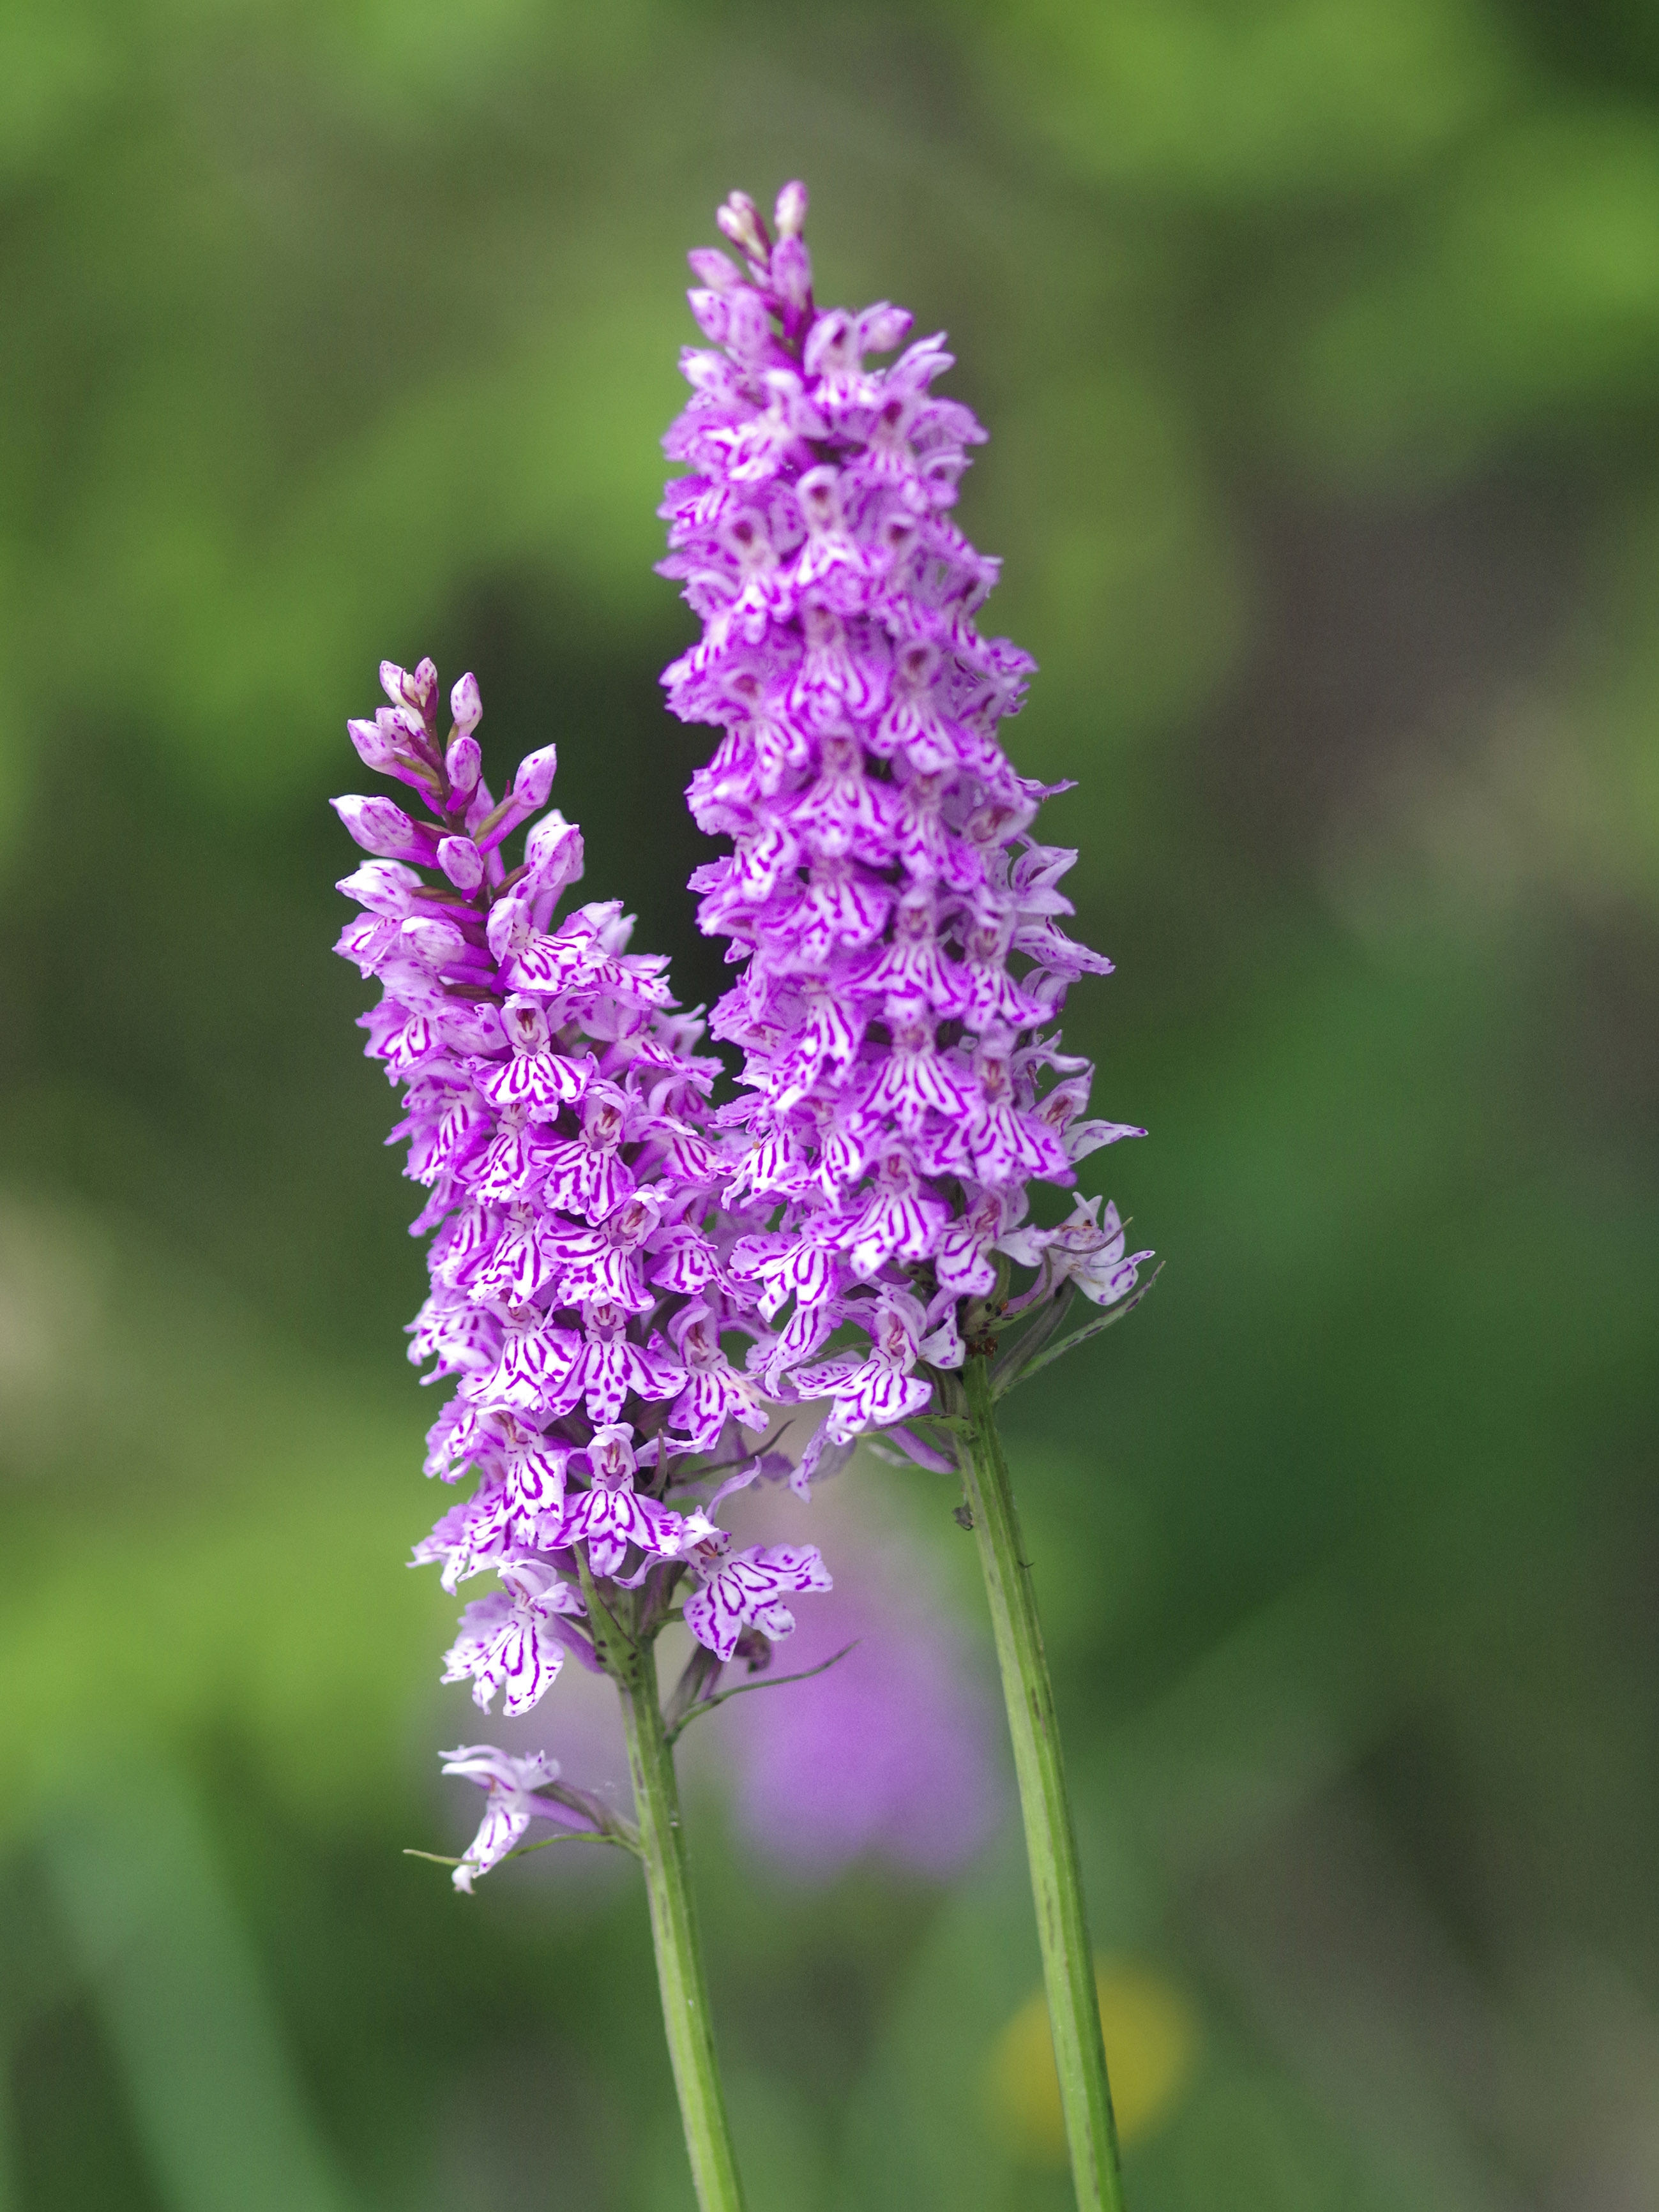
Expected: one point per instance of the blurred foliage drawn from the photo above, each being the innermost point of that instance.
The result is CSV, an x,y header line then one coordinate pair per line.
x,y
1320,343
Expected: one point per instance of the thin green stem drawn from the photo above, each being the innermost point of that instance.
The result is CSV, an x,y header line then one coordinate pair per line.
x,y
1051,1842
674,1928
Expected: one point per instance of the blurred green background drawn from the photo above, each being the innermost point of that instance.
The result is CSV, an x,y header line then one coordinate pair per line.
x,y
1319,340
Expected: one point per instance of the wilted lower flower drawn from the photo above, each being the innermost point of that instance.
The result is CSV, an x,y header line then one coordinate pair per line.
x,y
511,1804
897,920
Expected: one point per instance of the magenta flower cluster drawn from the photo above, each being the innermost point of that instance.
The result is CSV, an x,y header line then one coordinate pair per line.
x,y
627,1281
897,920
556,1109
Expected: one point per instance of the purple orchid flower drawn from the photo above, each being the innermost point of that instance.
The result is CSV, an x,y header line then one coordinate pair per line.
x,y
745,1590
610,1515
509,1641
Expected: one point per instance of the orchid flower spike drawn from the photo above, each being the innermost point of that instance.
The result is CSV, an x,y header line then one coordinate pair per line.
x,y
895,919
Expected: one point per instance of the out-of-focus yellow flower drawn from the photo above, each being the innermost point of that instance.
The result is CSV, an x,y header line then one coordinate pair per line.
x,y
1151,2042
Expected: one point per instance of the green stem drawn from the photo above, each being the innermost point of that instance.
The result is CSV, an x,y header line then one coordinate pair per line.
x,y
1051,1843
673,1929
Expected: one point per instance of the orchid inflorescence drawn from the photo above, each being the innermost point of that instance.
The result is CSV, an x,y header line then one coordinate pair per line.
x,y
635,1290
581,1285
599,1232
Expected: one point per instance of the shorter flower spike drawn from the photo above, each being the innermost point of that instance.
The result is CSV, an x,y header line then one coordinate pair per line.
x,y
556,1111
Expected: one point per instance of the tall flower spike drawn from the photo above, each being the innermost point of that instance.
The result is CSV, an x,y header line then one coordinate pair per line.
x,y
556,1109
902,965
897,920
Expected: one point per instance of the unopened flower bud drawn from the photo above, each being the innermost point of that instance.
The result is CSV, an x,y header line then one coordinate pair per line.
x,y
405,730
711,267
748,333
462,764
479,807
789,214
740,220
882,327
384,887
377,825
416,689
534,779
461,861
791,273
374,749
712,319
466,704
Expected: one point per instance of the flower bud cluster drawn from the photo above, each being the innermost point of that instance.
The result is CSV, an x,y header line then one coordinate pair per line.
x,y
897,920
556,1109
